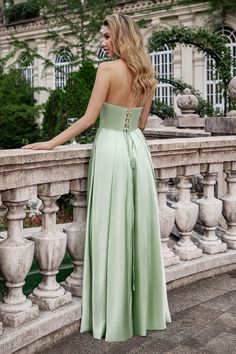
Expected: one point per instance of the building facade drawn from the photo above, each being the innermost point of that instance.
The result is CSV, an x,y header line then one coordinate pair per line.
x,y
183,63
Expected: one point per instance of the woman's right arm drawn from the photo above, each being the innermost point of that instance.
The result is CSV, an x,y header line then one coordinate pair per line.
x,y
97,99
145,111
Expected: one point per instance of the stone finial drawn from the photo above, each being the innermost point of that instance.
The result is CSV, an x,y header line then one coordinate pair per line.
x,y
187,102
232,95
232,88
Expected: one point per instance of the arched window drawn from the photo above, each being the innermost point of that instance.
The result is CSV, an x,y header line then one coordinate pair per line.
x,y
162,62
63,66
101,55
27,69
213,90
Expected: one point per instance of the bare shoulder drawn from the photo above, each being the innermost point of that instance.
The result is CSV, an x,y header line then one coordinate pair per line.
x,y
105,66
104,71
113,69
114,64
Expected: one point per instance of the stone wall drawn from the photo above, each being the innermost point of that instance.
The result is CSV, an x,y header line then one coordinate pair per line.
x,y
188,64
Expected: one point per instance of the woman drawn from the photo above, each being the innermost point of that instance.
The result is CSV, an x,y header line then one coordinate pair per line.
x,y
124,290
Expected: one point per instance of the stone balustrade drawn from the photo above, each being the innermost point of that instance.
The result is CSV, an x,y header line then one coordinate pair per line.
x,y
48,175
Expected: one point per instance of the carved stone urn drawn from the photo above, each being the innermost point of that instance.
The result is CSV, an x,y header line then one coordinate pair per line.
x,y
232,94
187,102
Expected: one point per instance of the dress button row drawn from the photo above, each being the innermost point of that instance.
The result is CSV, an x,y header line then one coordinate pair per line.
x,y
127,119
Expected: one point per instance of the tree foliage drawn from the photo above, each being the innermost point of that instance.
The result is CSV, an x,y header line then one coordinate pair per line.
x,y
72,24
70,103
81,21
18,112
52,114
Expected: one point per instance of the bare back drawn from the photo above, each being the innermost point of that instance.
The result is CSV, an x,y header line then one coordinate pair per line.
x,y
113,85
120,86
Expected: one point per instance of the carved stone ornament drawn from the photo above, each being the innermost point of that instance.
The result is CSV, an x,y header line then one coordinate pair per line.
x,y
187,102
232,88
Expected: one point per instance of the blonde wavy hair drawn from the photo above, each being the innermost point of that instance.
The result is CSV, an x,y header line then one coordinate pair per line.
x,y
128,45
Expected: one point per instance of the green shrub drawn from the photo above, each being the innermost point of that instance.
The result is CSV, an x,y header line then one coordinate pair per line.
x,y
70,103
18,111
78,90
162,110
52,114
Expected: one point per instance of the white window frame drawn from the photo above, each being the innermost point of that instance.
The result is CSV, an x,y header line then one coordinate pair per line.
x,y
162,62
213,92
27,71
63,67
101,55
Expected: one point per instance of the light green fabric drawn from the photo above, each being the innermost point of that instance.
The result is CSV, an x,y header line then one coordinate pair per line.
x,y
124,289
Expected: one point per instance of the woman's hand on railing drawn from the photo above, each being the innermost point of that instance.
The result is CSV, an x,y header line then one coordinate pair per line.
x,y
44,145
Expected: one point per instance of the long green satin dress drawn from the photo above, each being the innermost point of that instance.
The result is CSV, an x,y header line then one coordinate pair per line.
x,y
124,289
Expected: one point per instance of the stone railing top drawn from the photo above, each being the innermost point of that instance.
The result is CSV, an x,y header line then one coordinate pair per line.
x,y
22,156
20,167
65,152
188,143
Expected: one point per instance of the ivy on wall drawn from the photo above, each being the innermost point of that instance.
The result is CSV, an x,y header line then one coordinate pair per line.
x,y
202,39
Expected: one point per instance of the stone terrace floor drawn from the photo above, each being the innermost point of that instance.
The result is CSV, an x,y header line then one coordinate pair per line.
x,y
203,321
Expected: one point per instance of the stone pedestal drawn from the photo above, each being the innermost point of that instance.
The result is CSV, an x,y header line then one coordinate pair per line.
x,y
190,121
221,125
188,103
18,318
224,125
50,303
154,122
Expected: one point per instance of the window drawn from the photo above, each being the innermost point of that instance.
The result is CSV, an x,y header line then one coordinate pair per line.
x,y
213,91
63,67
101,55
27,70
162,63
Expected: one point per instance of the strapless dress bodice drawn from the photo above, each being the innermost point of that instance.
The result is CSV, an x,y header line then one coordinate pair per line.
x,y
119,118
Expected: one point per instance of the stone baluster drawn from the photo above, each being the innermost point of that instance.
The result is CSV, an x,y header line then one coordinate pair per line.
x,y
76,236
167,216
50,248
1,239
210,209
229,207
16,257
186,217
